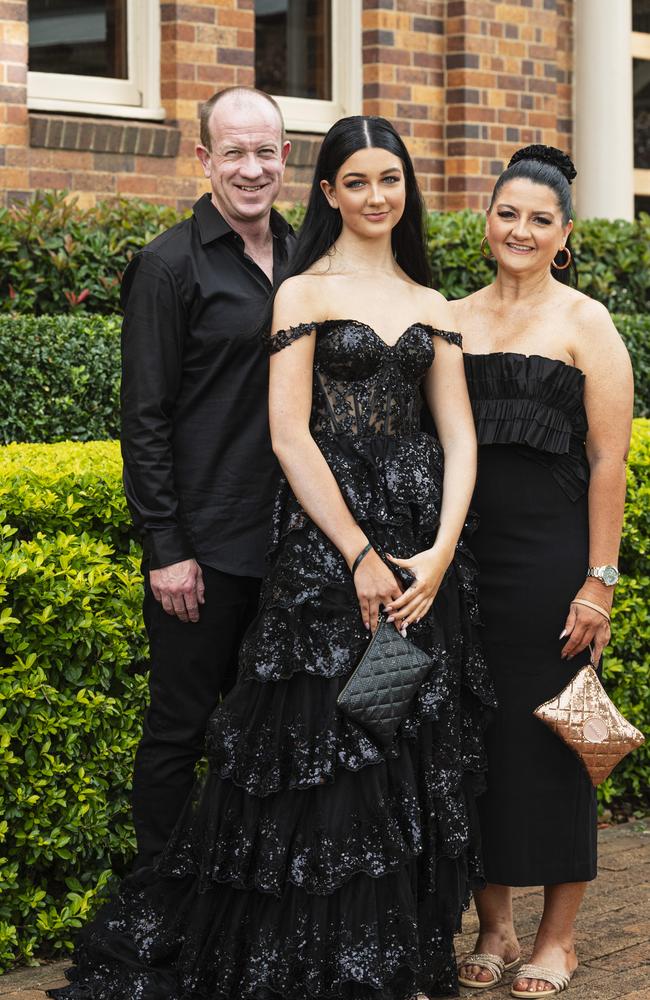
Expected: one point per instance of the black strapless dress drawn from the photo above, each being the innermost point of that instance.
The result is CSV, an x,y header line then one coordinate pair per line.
x,y
309,863
538,819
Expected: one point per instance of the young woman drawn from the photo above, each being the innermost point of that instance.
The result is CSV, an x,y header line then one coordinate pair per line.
x,y
551,388
310,863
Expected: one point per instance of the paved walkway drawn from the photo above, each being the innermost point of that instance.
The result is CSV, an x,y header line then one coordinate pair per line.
x,y
613,930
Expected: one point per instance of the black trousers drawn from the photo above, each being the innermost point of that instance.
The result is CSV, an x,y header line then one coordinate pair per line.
x,y
193,664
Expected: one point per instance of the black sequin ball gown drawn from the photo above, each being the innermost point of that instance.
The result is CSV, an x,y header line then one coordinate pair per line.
x,y
538,818
309,864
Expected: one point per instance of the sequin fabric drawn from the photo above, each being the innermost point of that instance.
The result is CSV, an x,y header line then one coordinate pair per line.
x,y
309,863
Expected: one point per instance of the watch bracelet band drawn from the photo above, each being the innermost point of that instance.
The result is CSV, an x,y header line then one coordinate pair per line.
x,y
597,572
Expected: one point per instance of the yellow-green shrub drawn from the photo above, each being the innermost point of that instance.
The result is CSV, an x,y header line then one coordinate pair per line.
x,y
627,662
72,688
72,680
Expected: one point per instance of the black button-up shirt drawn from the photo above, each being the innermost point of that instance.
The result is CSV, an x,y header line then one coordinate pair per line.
x,y
199,472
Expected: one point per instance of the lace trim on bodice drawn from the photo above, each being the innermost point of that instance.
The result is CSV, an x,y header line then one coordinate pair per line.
x,y
276,342
283,338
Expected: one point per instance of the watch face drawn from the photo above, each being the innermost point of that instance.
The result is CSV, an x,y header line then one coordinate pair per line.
x,y
610,575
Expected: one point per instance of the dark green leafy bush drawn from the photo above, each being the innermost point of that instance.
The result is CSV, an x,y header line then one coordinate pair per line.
x,y
614,262
56,257
59,378
72,687
635,331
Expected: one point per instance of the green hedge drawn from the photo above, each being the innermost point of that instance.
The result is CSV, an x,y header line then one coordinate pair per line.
x,y
59,378
56,257
72,682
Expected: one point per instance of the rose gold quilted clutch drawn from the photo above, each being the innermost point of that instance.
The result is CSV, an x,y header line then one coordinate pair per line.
x,y
587,720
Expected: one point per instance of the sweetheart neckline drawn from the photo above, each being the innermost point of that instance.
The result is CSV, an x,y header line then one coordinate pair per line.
x,y
360,322
526,357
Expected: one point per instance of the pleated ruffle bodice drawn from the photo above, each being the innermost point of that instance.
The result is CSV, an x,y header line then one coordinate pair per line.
x,y
533,402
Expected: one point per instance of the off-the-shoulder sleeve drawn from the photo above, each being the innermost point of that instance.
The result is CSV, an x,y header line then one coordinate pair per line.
x,y
449,336
276,342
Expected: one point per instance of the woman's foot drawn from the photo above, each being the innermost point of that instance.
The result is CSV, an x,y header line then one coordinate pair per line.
x,y
552,956
501,943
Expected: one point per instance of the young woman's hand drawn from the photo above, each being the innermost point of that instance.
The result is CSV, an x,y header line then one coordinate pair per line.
x,y
428,568
375,584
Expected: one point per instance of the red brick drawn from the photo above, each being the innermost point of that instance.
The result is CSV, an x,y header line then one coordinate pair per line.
x,y
236,57
224,75
13,11
49,179
235,19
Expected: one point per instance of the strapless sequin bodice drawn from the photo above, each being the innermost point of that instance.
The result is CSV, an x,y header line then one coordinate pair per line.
x,y
363,386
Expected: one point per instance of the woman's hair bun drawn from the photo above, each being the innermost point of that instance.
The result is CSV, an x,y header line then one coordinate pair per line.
x,y
547,154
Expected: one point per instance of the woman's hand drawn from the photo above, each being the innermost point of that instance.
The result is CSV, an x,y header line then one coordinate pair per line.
x,y
428,568
586,627
375,584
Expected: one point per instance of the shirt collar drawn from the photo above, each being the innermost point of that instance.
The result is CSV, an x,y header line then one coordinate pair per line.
x,y
212,225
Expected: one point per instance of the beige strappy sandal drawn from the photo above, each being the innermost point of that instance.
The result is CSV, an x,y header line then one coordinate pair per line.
x,y
493,964
558,980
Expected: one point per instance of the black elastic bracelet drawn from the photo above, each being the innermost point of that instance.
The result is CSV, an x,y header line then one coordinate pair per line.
x,y
364,552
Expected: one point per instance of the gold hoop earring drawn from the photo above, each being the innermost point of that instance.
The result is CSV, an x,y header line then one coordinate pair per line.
x,y
563,267
484,243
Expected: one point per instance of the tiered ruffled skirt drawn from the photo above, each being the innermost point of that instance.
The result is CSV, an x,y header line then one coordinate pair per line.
x,y
309,863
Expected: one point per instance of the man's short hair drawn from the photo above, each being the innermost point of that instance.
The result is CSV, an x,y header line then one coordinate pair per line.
x,y
208,107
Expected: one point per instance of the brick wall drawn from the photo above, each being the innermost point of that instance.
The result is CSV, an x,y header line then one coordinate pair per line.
x,y
205,45
508,84
464,81
403,80
14,127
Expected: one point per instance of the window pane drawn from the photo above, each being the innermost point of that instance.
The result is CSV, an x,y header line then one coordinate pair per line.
x,y
642,204
641,15
84,37
641,75
293,48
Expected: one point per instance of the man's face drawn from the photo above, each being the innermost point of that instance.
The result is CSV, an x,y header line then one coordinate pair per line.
x,y
246,163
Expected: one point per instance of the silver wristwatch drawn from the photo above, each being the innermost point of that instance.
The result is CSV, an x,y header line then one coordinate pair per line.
x,y
608,575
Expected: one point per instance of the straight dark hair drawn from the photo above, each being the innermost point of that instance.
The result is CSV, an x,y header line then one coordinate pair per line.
x,y
322,224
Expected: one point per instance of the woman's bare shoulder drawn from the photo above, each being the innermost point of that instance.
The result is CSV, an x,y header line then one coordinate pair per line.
x,y
463,312
299,289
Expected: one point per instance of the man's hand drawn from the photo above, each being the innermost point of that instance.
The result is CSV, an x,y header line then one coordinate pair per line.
x,y
179,588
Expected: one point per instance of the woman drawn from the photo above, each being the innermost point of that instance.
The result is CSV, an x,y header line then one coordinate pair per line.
x,y
551,389
310,863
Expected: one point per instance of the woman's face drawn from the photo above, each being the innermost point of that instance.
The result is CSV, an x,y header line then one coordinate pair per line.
x,y
524,226
369,191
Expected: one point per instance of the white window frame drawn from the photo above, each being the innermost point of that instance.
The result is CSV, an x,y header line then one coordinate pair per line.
x,y
641,50
136,97
303,114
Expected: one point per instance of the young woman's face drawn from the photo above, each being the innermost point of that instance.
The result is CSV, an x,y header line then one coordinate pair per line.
x,y
524,227
369,191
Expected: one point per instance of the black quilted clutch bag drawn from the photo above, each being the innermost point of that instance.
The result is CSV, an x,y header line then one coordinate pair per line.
x,y
378,694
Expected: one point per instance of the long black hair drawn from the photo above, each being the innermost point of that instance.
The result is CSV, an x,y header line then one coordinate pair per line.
x,y
322,224
551,168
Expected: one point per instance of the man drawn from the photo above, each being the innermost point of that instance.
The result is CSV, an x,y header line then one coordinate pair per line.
x,y
199,472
